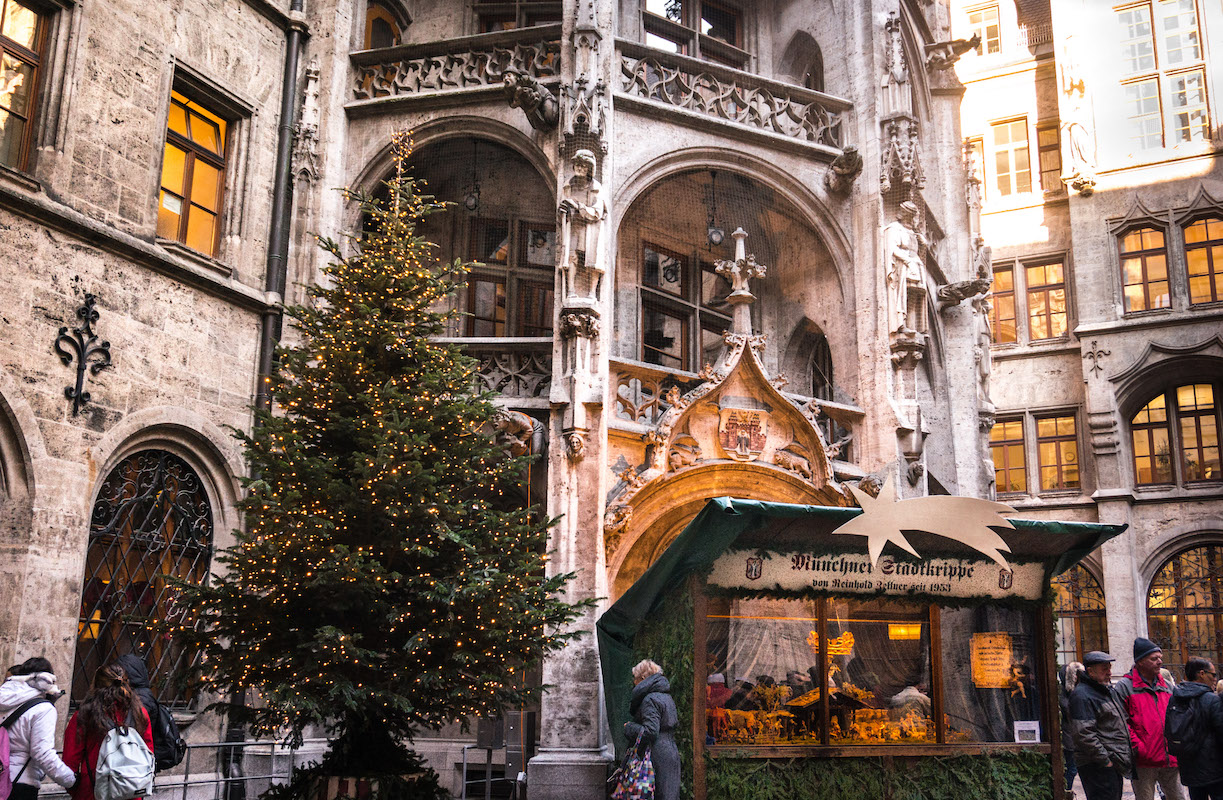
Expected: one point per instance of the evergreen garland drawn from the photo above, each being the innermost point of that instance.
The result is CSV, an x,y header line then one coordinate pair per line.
x,y
388,580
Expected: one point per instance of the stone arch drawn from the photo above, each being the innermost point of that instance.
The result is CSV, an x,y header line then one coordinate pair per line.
x,y
1177,540
664,507
463,126
1161,366
809,207
20,443
803,61
213,454
1184,618
395,10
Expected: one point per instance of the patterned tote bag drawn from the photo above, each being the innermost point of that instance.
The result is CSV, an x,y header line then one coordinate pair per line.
x,y
635,777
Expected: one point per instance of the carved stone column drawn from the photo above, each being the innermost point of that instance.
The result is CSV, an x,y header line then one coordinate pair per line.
x,y
572,760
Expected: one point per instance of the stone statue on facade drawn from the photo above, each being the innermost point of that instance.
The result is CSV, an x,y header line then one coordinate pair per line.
x,y
843,170
902,249
583,214
523,91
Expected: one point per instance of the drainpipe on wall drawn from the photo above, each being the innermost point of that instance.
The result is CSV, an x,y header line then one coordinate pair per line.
x,y
278,235
231,767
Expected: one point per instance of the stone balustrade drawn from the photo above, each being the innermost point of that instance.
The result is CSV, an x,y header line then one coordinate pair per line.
x,y
642,390
729,94
463,63
518,368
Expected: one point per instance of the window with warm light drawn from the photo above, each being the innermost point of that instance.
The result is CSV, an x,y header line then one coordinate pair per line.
x,y
382,29
1144,270
1006,449
1049,147
1204,258
22,30
1175,437
1081,624
1002,306
1185,607
1057,449
1164,77
1046,298
151,526
192,176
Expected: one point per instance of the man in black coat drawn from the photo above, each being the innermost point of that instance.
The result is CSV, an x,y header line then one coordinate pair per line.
x,y
1202,770
138,677
1100,730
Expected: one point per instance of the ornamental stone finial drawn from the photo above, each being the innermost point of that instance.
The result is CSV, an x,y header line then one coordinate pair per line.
x,y
738,272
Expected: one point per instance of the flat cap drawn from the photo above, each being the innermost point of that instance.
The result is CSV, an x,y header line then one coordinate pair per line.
x,y
1097,657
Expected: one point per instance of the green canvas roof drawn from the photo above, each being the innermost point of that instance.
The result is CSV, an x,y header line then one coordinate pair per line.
x,y
783,527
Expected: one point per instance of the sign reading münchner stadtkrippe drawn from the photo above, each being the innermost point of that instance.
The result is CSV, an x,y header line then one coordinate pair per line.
x,y
853,573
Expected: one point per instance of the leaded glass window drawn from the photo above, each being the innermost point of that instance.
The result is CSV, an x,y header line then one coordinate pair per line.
x,y
152,524
1185,607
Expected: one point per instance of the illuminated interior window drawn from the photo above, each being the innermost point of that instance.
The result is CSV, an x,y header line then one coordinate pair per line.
x,y
192,176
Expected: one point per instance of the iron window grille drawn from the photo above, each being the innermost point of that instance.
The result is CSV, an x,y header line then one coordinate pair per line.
x,y
1082,624
151,525
1185,607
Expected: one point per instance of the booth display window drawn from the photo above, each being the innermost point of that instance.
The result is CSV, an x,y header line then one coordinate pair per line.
x,y
893,672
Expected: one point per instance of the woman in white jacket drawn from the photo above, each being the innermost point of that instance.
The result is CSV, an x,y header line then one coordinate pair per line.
x,y
32,735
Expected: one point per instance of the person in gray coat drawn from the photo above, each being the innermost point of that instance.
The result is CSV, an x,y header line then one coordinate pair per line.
x,y
1099,728
654,718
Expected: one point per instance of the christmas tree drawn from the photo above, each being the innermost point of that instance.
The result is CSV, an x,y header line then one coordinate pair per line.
x,y
386,582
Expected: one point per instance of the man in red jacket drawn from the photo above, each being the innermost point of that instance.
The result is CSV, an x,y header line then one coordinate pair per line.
x,y
1145,696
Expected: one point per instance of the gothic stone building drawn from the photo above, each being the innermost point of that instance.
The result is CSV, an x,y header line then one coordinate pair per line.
x,y
1093,130
725,249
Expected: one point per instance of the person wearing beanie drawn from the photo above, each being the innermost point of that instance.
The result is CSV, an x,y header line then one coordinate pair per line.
x,y
1145,696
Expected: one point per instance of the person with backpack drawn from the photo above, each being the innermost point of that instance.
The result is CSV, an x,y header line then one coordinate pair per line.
x,y
27,709
168,745
103,741
1145,696
1194,730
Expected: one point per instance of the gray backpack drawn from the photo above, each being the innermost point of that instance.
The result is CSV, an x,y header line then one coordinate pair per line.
x,y
125,766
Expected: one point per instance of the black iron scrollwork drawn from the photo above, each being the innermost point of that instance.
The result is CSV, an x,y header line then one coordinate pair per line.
x,y
83,345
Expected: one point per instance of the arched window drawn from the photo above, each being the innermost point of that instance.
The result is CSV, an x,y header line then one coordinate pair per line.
x,y
1185,607
821,369
382,29
1081,624
1176,437
803,61
151,523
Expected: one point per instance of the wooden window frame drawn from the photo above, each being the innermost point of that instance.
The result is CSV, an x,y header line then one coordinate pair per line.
x,y
1057,440
34,58
1161,72
658,305
1006,446
514,274
1147,430
688,303
686,33
1214,266
1050,179
984,48
1173,426
520,13
472,319
1184,416
1012,151
995,313
377,11
1144,256
1045,290
195,152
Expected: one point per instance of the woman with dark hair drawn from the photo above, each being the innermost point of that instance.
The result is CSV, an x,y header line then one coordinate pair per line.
x,y
27,700
109,704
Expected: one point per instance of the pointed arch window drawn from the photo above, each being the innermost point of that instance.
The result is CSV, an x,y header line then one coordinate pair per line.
x,y
1185,607
1081,620
382,28
152,524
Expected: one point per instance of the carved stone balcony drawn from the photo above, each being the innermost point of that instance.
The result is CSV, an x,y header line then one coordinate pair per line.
x,y
464,64
641,390
697,89
519,369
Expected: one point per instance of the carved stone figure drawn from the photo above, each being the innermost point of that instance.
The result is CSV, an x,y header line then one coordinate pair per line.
x,y
685,451
952,294
1081,145
843,170
902,249
583,215
575,444
523,91
943,55
789,460
983,354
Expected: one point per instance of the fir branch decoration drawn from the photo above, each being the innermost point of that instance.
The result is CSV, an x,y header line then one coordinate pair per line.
x,y
388,580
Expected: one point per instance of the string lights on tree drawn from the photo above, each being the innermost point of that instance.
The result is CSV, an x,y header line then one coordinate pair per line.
x,y
386,582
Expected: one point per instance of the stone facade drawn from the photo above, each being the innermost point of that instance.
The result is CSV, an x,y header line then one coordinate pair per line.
x,y
717,322
1068,72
